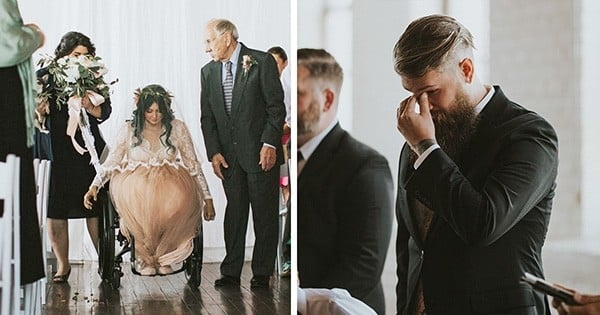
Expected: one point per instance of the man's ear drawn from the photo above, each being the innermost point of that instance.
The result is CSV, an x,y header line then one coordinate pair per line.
x,y
467,69
228,39
330,96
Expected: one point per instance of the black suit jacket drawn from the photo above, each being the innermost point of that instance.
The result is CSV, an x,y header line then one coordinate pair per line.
x,y
492,210
345,202
257,111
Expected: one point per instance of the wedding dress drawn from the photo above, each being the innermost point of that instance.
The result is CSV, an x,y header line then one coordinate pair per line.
x,y
157,191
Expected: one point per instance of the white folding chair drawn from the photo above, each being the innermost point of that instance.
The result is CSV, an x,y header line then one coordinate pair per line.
x,y
35,293
10,271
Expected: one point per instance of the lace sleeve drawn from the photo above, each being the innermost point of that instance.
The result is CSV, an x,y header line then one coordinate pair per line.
x,y
117,152
188,154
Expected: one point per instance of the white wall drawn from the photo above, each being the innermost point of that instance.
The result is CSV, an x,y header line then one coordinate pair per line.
x,y
590,111
536,58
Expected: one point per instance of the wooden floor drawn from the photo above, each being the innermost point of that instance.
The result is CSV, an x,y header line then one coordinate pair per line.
x,y
170,295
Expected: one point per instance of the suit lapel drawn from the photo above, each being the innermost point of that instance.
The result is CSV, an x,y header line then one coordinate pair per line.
x,y
321,158
487,124
240,81
405,171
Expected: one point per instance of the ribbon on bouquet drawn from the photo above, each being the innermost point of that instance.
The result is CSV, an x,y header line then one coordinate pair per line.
x,y
78,118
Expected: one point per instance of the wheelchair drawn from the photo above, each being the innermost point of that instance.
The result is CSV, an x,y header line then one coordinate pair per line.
x,y
109,260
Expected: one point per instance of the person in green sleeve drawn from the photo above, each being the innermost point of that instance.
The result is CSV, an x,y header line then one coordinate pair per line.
x,y
18,41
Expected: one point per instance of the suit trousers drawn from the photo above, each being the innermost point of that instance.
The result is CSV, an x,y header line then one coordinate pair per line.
x,y
261,191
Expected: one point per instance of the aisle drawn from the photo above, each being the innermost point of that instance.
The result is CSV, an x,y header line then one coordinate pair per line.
x,y
170,295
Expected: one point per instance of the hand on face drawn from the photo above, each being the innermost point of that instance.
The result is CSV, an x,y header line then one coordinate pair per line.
x,y
267,158
415,127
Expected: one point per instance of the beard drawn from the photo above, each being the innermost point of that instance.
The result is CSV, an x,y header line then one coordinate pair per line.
x,y
308,120
454,128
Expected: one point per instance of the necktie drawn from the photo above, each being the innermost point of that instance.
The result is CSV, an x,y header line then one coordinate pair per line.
x,y
228,87
424,217
301,162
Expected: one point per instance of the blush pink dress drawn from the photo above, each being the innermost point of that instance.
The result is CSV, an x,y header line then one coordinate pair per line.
x,y
158,193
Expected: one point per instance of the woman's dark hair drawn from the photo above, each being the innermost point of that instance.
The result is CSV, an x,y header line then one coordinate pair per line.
x,y
71,40
145,97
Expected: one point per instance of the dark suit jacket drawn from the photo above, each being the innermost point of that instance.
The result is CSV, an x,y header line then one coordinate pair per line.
x,y
257,111
345,202
492,210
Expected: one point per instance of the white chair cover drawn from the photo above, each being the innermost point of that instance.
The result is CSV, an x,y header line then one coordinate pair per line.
x,y
35,293
10,268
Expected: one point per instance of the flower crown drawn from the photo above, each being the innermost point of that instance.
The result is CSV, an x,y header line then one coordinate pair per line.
x,y
144,93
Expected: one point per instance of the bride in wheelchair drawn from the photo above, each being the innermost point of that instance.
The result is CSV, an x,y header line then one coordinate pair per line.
x,y
156,185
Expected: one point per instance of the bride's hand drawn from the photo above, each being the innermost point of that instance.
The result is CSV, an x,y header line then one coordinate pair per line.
x,y
91,193
209,210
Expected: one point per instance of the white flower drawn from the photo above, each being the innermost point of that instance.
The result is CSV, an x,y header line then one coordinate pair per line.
x,y
247,63
85,61
102,71
72,73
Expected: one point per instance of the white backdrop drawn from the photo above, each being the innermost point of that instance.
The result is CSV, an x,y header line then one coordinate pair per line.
x,y
157,41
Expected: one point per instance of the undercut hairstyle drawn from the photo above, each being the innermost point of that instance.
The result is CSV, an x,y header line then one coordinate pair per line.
x,y
145,97
70,41
429,43
279,52
321,65
223,26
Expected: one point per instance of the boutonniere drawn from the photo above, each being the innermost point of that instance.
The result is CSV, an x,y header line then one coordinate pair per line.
x,y
247,63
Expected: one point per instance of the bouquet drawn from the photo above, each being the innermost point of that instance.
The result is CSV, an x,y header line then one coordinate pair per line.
x,y
72,79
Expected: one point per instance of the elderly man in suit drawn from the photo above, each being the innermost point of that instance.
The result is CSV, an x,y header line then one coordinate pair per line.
x,y
475,185
345,191
242,114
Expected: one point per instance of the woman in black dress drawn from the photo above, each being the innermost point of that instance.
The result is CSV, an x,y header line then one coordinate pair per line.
x,y
71,172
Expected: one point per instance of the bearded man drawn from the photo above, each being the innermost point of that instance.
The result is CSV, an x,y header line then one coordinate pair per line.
x,y
345,191
475,185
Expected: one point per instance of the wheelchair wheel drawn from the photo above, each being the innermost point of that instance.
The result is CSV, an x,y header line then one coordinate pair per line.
x,y
193,265
192,273
115,283
106,241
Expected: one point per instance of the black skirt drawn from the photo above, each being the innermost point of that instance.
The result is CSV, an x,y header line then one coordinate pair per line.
x,y
71,173
13,139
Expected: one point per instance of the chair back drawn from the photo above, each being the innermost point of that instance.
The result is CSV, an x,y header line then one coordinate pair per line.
x,y
35,293
10,264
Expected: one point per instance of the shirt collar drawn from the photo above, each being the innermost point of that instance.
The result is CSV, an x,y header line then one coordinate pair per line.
x,y
235,55
486,99
311,145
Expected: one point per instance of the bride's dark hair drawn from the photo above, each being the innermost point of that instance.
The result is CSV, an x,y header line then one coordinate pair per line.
x,y
144,98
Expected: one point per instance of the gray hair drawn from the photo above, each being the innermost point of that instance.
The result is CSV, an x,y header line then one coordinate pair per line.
x,y
428,43
222,26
